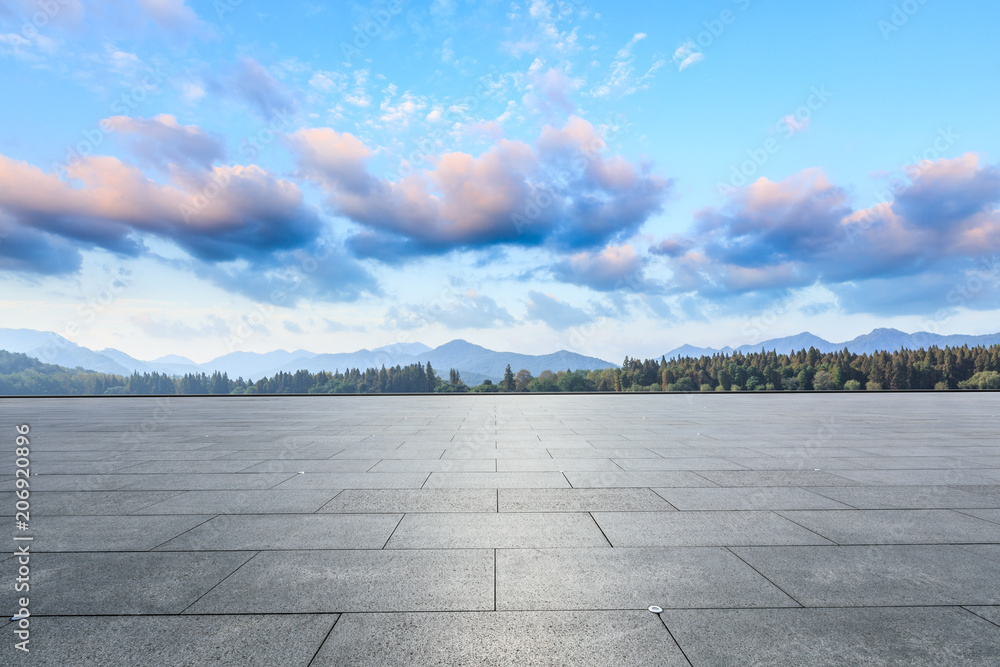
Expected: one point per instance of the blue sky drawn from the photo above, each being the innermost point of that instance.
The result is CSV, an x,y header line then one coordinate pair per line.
x,y
195,178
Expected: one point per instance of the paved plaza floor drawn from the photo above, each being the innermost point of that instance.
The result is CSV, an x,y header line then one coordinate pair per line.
x,y
786,529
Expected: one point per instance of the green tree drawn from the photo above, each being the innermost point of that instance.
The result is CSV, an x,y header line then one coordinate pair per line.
x,y
509,383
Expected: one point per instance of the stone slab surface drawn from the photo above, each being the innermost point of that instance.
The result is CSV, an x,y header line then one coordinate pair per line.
x,y
820,529
538,579
534,530
503,639
921,637
304,582
258,640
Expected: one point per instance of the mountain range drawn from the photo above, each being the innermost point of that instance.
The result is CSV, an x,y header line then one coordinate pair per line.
x,y
878,340
475,363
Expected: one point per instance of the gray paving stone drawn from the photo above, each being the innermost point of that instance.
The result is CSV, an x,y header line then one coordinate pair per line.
x,y
108,533
355,480
156,640
951,477
296,582
905,497
990,551
747,498
124,583
502,638
394,453
201,482
679,463
413,500
436,465
557,465
896,526
986,514
192,467
313,465
917,637
569,579
496,480
599,480
581,500
493,453
594,453
496,531
878,575
245,532
991,614
81,467
70,503
701,529
777,478
269,501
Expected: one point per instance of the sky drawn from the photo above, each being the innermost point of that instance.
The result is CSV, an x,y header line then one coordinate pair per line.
x,y
188,177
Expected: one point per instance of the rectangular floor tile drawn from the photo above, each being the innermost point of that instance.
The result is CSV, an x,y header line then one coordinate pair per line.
x,y
747,498
496,480
313,465
237,641
109,533
496,531
896,526
553,579
776,478
557,465
397,501
514,639
701,529
269,501
110,503
581,500
905,497
124,583
679,463
910,637
201,482
295,582
248,532
435,465
607,480
356,480
878,575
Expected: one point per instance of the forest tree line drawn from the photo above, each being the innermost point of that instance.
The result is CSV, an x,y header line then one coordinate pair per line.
x,y
805,370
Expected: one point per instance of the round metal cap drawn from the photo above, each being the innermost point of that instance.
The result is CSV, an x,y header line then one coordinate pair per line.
x,y
655,609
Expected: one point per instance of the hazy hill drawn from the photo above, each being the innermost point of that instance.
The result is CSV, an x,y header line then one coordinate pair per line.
x,y
879,340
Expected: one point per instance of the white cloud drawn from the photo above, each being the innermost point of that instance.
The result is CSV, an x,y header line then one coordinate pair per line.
x,y
622,79
687,54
